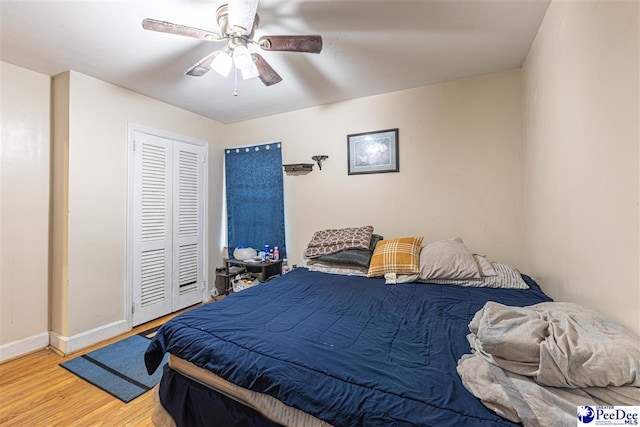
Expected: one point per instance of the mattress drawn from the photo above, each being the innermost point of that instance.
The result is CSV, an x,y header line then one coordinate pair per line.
x,y
268,406
346,350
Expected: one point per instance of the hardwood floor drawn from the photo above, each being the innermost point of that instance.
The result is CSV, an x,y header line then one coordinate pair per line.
x,y
35,391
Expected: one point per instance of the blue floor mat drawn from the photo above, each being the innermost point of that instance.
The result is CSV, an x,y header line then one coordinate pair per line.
x,y
117,368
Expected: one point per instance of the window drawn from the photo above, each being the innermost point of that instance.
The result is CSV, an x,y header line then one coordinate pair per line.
x,y
255,205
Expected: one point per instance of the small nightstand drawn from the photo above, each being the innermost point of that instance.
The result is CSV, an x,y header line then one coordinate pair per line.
x,y
263,270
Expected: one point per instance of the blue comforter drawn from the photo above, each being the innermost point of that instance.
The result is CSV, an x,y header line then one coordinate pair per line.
x,y
348,350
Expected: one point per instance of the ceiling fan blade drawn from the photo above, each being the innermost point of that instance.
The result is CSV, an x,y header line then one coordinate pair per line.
x,y
203,66
181,30
242,13
308,44
267,74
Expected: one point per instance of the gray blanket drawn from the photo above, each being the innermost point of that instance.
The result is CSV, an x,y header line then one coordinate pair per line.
x,y
536,364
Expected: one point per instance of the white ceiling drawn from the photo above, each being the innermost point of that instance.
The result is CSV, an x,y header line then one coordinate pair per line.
x,y
370,47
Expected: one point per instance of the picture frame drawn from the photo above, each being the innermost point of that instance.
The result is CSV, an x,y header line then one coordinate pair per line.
x,y
373,152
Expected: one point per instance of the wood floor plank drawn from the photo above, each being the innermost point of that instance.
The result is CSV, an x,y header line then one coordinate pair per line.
x,y
36,391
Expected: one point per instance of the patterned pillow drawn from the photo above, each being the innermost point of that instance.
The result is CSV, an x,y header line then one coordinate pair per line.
x,y
332,240
400,256
506,277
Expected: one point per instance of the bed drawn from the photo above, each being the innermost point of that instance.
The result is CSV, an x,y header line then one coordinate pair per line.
x,y
312,348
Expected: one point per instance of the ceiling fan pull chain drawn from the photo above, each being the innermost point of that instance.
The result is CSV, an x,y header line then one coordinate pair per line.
x,y
235,81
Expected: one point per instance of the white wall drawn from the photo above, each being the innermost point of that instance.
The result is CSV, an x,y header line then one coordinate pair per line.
x,y
24,210
99,114
581,119
460,165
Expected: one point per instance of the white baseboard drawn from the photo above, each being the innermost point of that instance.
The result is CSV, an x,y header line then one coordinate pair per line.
x,y
68,345
21,347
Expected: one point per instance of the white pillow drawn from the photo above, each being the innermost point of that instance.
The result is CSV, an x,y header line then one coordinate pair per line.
x,y
448,259
485,267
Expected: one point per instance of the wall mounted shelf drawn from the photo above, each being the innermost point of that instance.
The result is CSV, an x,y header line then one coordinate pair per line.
x,y
298,167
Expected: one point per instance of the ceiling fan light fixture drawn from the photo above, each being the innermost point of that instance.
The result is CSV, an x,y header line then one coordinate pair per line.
x,y
250,72
242,58
222,64
237,22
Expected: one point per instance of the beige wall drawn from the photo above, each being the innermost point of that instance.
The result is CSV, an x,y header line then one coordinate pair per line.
x,y
460,165
59,297
560,204
99,115
581,118
24,210
460,160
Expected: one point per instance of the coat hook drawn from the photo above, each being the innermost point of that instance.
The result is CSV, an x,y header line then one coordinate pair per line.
x,y
319,159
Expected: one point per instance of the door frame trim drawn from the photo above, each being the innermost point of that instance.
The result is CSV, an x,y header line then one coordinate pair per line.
x,y
132,129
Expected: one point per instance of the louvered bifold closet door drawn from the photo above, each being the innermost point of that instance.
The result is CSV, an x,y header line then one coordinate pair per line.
x,y
152,230
188,216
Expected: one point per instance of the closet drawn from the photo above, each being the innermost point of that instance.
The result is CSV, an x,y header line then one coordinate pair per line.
x,y
167,204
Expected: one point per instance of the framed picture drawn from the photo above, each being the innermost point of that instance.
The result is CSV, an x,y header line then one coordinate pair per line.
x,y
373,152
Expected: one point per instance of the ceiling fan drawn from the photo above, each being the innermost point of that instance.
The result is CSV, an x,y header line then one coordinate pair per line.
x,y
238,21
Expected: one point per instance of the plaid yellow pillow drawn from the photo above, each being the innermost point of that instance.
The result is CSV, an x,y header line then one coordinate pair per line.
x,y
400,256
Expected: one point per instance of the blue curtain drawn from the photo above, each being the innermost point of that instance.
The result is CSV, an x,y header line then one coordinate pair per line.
x,y
255,205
